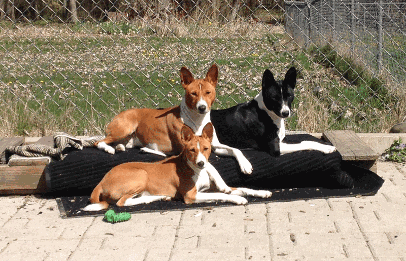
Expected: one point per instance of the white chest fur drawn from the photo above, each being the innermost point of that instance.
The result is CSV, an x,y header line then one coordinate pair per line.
x,y
278,121
193,119
202,180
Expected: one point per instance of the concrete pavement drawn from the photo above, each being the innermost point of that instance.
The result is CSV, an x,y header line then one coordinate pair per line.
x,y
358,228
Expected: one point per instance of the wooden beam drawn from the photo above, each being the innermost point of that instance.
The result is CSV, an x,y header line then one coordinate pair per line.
x,y
350,146
14,141
22,180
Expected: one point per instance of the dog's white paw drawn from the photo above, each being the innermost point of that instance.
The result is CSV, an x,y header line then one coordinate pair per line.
x,y
120,147
225,189
252,192
93,207
239,200
264,193
107,148
110,150
328,149
245,166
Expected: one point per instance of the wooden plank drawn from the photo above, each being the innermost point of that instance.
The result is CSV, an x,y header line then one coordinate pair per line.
x,y
17,160
14,141
46,140
350,146
22,180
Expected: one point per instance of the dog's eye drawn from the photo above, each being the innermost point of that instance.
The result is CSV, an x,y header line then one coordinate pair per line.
x,y
194,93
192,150
208,92
205,149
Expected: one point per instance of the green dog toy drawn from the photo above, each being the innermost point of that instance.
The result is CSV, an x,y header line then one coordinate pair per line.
x,y
112,217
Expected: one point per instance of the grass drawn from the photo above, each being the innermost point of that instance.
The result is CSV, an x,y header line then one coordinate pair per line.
x,y
396,152
366,94
75,78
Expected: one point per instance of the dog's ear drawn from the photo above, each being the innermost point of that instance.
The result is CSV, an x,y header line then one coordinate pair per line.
x,y
186,133
268,79
207,132
290,77
212,75
186,77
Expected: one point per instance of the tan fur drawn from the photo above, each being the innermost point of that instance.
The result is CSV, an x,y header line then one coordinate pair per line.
x,y
172,177
162,127
200,88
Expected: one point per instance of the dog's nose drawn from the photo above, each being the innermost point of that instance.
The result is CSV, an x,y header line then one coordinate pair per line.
x,y
285,114
200,164
202,108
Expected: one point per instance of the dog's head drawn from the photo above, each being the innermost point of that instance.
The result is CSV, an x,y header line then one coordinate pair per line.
x,y
278,95
200,93
197,149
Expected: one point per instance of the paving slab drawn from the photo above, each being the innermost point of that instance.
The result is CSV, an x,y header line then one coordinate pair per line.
x,y
357,228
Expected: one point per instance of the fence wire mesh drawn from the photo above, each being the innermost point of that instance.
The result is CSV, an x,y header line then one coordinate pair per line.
x,y
71,65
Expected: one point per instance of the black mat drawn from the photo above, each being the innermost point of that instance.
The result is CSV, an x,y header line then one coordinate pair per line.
x,y
299,175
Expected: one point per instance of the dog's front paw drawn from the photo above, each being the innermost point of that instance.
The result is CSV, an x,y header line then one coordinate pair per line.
x,y
328,149
120,147
225,189
245,166
264,194
107,148
240,200
110,150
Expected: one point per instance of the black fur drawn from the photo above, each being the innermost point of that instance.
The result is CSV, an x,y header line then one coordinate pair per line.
x,y
247,126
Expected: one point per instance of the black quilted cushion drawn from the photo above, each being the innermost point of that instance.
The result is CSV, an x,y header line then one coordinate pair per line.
x,y
82,170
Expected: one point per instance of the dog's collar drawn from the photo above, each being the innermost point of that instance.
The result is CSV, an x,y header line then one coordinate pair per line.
x,y
193,119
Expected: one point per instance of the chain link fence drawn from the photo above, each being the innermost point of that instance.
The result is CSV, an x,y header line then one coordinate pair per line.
x,y
71,65
371,32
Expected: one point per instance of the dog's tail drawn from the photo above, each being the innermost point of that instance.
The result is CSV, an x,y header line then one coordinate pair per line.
x,y
95,200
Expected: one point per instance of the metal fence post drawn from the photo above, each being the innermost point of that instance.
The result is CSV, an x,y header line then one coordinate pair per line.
x,y
308,24
334,20
380,36
352,27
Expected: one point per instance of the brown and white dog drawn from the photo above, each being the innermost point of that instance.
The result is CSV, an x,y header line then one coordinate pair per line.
x,y
158,130
179,177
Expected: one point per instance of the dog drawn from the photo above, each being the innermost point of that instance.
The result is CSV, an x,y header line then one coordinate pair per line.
x,y
260,123
158,130
178,177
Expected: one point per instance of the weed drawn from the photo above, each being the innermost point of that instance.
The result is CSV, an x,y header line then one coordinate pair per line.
x,y
396,152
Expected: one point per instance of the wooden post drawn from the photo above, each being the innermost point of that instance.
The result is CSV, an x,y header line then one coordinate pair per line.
x,y
215,5
65,10
2,9
74,13
10,6
234,13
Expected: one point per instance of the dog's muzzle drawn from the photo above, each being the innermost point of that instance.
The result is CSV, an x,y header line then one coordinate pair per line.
x,y
285,114
200,164
202,109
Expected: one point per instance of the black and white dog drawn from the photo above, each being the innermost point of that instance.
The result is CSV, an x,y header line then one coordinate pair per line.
x,y
259,124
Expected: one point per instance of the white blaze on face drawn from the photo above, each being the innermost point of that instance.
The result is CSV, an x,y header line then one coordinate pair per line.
x,y
201,102
200,157
285,108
